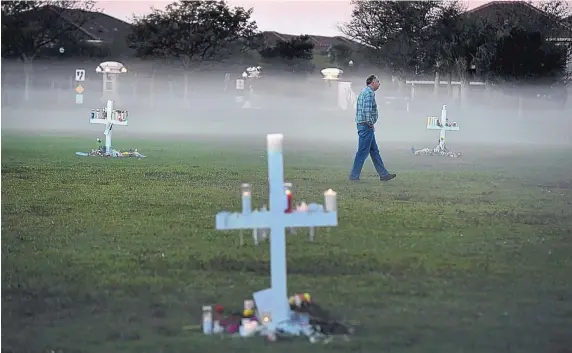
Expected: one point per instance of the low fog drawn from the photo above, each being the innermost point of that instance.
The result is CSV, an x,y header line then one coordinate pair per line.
x,y
302,107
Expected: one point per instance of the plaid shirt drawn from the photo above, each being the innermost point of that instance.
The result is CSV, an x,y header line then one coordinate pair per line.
x,y
366,112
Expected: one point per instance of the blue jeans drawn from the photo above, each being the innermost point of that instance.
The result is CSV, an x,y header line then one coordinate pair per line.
x,y
367,146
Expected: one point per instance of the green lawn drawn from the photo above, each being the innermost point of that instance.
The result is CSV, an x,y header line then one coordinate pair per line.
x,y
98,255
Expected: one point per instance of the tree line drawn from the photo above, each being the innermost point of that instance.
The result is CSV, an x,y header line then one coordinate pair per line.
x,y
187,31
404,37
442,37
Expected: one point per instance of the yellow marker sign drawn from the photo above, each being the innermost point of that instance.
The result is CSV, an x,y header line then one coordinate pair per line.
x,y
79,89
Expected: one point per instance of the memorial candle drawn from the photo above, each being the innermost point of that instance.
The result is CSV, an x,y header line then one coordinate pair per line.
x,y
246,196
246,192
303,207
289,201
289,197
249,304
207,320
330,201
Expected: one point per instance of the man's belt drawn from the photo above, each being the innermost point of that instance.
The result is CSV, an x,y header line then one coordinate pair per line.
x,y
365,124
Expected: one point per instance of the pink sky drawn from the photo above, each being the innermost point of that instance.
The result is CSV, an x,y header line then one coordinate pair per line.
x,y
318,17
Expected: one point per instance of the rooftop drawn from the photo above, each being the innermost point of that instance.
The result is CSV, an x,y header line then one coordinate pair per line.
x,y
322,42
503,12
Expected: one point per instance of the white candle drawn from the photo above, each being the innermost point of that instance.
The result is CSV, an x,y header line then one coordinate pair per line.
x,y
207,320
255,236
246,192
274,142
255,233
266,318
246,202
251,325
248,327
330,201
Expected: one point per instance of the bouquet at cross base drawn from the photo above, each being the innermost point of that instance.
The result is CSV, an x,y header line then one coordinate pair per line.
x,y
320,319
317,323
100,152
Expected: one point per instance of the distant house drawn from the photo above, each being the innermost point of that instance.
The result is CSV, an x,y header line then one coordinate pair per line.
x,y
89,28
100,29
321,43
502,14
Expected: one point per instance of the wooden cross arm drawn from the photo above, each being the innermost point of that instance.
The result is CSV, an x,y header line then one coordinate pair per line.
x,y
265,219
105,121
447,128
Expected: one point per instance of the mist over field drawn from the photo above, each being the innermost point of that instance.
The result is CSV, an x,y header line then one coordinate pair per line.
x,y
305,108
465,247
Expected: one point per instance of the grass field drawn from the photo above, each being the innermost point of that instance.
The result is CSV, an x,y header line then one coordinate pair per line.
x,y
469,255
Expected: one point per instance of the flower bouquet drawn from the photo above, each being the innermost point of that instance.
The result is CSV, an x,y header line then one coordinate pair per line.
x,y
308,319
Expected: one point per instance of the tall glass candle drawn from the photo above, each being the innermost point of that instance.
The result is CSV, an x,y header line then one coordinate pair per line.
x,y
246,194
330,201
207,320
249,304
289,197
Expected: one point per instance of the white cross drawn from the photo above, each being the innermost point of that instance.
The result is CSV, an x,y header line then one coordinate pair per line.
x,y
276,219
444,126
109,117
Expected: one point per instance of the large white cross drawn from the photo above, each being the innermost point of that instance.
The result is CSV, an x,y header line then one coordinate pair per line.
x,y
276,219
443,125
109,117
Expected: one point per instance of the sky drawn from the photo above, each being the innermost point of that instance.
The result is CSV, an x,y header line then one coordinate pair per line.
x,y
318,17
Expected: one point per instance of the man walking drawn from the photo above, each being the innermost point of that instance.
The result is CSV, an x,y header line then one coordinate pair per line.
x,y
366,117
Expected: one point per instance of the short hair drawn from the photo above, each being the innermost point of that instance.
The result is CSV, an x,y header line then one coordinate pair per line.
x,y
370,79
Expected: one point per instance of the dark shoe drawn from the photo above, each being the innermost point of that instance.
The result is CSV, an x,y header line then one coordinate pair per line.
x,y
388,177
355,180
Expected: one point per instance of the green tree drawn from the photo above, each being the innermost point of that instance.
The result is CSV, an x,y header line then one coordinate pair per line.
x,y
340,54
29,27
525,55
458,42
193,31
299,47
393,31
561,10
296,53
